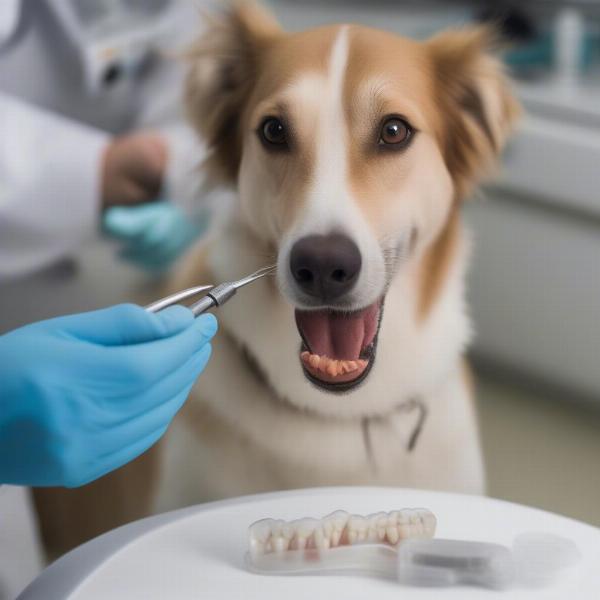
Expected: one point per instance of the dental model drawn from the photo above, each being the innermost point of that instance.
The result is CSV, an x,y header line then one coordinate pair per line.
x,y
339,529
399,545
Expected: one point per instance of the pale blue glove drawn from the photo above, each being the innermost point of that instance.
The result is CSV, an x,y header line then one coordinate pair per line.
x,y
154,235
84,394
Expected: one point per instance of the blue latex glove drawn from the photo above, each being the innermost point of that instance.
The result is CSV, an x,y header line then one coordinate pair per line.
x,y
154,235
84,394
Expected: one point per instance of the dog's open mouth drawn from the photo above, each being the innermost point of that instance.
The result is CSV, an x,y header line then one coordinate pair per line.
x,y
338,347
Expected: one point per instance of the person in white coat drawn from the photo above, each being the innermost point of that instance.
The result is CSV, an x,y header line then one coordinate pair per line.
x,y
67,153
57,135
56,179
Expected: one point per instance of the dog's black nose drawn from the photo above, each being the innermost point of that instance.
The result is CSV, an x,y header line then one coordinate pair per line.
x,y
325,266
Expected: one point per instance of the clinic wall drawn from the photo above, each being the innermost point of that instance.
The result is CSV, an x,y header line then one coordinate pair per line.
x,y
535,292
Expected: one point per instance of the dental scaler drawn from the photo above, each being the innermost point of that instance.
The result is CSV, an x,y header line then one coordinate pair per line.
x,y
215,295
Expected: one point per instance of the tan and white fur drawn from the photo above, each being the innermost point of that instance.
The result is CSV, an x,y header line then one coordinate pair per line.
x,y
254,422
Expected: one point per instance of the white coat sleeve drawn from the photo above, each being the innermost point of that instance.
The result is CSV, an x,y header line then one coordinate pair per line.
x,y
50,169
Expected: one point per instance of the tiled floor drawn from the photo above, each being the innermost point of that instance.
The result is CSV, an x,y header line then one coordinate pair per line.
x,y
539,451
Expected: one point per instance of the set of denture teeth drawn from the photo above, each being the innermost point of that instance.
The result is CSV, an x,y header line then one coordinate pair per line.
x,y
340,528
332,366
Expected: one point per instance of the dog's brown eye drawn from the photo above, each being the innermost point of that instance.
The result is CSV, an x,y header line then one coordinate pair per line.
x,y
272,132
395,131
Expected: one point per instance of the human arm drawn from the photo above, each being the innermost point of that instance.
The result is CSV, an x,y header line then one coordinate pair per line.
x,y
83,394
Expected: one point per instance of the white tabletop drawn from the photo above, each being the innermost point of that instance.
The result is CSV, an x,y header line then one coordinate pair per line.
x,y
199,552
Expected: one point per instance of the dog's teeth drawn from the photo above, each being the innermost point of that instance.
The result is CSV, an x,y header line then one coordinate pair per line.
x,y
331,366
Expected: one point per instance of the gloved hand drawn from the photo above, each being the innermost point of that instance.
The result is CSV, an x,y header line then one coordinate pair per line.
x,y
84,394
154,235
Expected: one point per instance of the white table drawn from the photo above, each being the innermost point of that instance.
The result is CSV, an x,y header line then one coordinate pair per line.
x,y
198,552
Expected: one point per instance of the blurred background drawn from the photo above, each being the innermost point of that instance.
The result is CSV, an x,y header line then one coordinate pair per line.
x,y
535,280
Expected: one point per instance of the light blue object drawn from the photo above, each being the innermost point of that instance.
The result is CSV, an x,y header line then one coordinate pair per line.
x,y
536,53
541,52
84,394
154,235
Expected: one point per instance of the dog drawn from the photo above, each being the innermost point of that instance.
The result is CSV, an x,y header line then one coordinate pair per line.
x,y
350,151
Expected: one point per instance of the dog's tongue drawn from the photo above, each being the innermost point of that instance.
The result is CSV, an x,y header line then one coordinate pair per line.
x,y
338,335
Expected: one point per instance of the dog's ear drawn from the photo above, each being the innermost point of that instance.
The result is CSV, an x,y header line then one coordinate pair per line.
x,y
477,105
223,66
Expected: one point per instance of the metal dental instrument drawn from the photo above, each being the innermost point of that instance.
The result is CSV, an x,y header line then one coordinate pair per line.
x,y
217,295
158,305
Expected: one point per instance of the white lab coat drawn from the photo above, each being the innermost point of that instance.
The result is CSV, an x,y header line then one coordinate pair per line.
x,y
52,138
49,186
53,134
